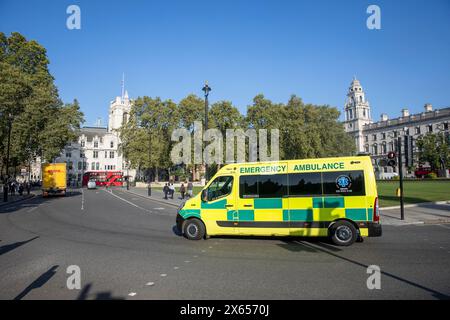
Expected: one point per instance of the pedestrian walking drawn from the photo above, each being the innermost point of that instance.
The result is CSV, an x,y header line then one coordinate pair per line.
x,y
182,190
21,189
190,188
13,188
172,190
28,186
165,190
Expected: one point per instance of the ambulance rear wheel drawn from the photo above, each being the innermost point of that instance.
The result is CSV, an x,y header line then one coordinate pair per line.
x,y
193,229
343,233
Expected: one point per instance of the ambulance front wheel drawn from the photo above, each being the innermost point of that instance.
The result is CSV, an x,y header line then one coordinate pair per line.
x,y
193,229
343,233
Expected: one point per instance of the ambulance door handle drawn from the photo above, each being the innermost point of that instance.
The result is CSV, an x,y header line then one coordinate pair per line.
x,y
229,205
248,205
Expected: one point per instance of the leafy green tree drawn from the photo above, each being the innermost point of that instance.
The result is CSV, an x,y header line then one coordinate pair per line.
x,y
44,125
146,137
435,149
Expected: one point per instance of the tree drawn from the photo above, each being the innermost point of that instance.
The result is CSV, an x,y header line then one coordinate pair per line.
x,y
434,149
306,131
146,137
43,125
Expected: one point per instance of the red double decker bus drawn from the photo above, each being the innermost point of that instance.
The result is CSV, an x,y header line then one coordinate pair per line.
x,y
104,178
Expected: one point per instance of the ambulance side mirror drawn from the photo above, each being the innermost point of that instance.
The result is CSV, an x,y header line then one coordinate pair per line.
x,y
205,195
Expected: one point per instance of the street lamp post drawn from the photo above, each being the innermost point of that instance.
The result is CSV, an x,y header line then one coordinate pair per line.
x,y
206,89
149,188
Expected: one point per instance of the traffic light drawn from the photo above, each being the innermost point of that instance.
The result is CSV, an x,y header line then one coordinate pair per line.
x,y
409,155
391,159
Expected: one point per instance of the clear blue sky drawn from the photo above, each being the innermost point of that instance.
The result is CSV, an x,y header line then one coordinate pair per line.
x,y
308,48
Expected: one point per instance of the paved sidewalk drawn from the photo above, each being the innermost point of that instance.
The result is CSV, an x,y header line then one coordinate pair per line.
x,y
157,195
16,197
424,213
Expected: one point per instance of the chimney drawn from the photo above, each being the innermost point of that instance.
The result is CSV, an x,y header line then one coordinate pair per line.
x,y
405,113
384,117
428,107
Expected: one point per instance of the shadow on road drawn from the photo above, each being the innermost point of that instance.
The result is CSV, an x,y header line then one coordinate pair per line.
x,y
33,202
39,282
321,247
9,247
104,295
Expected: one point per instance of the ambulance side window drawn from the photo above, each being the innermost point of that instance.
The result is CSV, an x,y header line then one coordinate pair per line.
x,y
344,183
220,187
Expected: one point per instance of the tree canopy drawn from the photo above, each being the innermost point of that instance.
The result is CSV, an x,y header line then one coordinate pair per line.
x,y
40,123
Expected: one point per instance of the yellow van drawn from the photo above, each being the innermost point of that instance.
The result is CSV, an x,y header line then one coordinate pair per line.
x,y
329,197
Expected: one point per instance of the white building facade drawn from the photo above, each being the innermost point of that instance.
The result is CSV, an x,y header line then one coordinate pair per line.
x,y
97,148
379,138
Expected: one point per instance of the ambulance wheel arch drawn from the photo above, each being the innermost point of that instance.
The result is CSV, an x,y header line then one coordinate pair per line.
x,y
343,232
194,229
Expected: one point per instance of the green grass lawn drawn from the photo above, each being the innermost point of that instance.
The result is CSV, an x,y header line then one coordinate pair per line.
x,y
415,191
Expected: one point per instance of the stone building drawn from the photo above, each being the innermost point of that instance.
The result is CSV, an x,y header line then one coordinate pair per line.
x,y
378,138
97,148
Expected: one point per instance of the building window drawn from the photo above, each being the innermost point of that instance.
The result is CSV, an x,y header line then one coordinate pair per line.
x,y
445,125
85,165
95,154
383,135
417,130
68,154
70,165
374,137
395,134
366,138
97,165
124,118
111,154
112,144
82,143
351,113
430,128
95,144
391,146
366,148
384,148
93,166
106,154
79,165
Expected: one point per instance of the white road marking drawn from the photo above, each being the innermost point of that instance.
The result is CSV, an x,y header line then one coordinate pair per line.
x,y
210,247
187,261
444,226
163,274
203,251
32,209
129,202
82,199
195,256
132,294
149,283
175,268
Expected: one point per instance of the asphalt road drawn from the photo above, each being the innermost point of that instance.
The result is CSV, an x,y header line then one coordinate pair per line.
x,y
126,248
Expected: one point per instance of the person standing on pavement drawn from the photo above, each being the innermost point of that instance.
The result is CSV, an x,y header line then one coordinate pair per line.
x,y
172,190
165,190
182,190
190,188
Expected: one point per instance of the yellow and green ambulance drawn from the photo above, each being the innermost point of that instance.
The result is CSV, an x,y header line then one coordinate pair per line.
x,y
328,197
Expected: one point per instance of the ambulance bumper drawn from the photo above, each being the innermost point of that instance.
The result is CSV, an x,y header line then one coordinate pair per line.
x,y
374,229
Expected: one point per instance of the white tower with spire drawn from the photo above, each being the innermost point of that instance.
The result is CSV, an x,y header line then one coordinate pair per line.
x,y
357,113
119,109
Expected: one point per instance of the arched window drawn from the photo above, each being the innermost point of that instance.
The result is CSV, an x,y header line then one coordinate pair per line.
x,y
112,144
124,118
